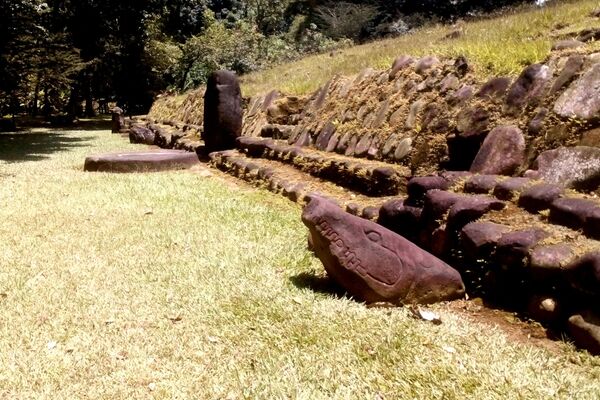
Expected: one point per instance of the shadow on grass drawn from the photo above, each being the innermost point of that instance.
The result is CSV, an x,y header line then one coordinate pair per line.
x,y
318,284
21,147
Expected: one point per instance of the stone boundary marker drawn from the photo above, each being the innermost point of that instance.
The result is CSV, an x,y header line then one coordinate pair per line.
x,y
144,161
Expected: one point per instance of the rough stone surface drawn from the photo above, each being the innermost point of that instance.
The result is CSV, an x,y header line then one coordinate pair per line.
x,y
222,111
572,167
539,197
572,212
547,263
495,87
141,135
592,225
585,331
418,187
480,238
401,218
544,309
584,275
511,187
399,64
144,161
502,152
373,263
529,87
570,70
481,184
513,247
425,64
567,44
582,98
590,138
470,208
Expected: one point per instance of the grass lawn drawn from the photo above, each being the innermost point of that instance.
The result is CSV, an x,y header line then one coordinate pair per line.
x,y
175,285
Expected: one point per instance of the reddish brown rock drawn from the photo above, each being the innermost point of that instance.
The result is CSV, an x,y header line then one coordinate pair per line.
x,y
547,263
511,187
495,87
570,70
584,275
470,208
585,330
529,87
572,212
502,152
481,184
539,197
399,64
592,225
144,161
400,218
374,264
513,247
582,98
480,238
425,64
418,187
139,134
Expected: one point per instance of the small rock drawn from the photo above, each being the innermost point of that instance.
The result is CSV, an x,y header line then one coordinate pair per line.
x,y
544,309
399,64
470,208
513,247
572,212
425,64
480,238
460,96
481,184
590,138
529,86
585,330
502,152
567,44
511,187
582,98
418,187
539,197
403,148
495,87
548,262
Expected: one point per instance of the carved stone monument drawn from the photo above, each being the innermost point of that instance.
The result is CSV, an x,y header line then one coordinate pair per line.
x,y
374,264
222,111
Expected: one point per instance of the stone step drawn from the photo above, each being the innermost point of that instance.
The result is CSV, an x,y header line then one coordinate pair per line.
x,y
503,252
577,211
372,178
166,136
293,183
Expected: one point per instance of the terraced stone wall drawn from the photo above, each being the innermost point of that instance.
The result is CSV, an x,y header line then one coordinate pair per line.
x,y
430,114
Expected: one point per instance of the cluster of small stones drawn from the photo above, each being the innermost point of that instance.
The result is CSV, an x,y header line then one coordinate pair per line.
x,y
431,113
167,135
370,178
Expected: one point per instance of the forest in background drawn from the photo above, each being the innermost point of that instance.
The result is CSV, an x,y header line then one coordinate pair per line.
x,y
75,57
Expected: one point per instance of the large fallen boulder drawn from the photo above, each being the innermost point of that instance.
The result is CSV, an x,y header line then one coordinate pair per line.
x,y
374,264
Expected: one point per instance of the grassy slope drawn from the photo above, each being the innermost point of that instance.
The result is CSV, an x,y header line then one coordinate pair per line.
x,y
172,285
501,45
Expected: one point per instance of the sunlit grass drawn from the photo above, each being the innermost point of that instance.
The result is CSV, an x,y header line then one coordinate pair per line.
x,y
501,45
174,285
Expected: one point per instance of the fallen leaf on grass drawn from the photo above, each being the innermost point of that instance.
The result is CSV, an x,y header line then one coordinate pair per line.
x,y
426,315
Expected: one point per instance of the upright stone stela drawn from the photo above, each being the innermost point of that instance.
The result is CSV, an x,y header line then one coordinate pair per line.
x,y
222,111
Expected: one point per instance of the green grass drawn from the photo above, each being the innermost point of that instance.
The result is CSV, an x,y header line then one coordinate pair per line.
x,y
501,45
175,285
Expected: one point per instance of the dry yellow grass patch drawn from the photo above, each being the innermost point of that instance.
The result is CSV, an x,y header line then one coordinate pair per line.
x,y
173,285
